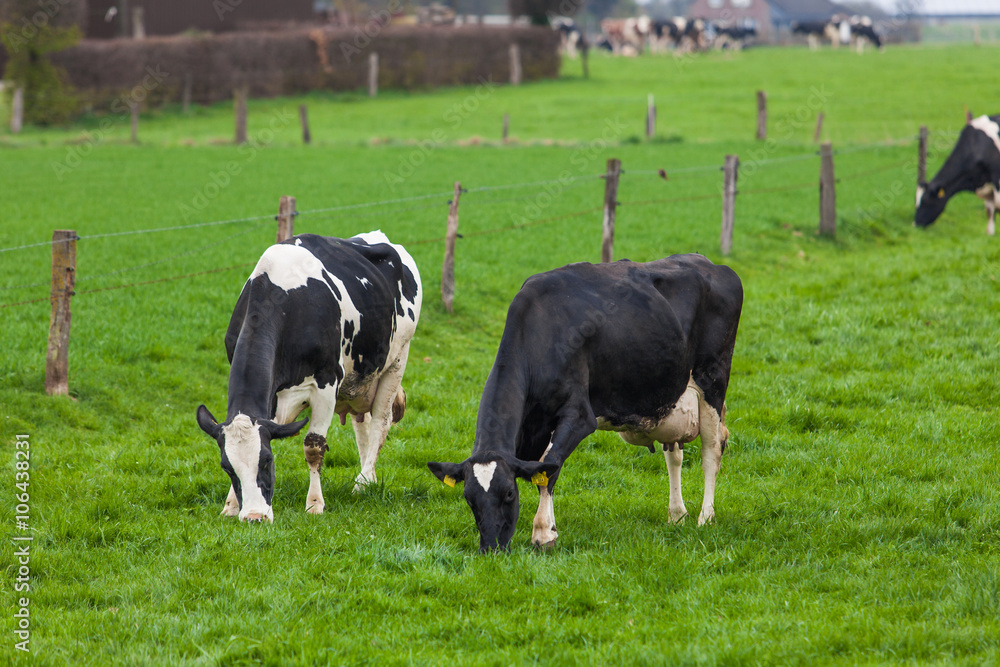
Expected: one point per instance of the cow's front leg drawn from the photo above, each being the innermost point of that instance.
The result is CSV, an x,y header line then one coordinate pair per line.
x,y
576,426
232,505
673,452
315,448
543,529
991,211
713,440
322,401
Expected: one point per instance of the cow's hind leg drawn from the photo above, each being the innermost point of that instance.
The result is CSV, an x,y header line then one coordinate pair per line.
x,y
713,442
232,505
372,430
991,211
673,452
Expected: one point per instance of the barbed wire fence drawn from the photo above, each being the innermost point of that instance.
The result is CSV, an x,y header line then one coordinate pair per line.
x,y
64,281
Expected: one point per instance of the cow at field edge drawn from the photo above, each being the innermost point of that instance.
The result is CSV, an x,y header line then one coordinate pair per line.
x,y
642,349
973,166
325,323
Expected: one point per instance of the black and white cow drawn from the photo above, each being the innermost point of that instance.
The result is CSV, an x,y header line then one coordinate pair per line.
x,y
816,31
734,36
684,34
862,32
570,36
325,323
642,349
973,166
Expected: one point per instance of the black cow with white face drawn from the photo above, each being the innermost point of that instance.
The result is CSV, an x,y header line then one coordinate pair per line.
x,y
642,349
324,323
973,166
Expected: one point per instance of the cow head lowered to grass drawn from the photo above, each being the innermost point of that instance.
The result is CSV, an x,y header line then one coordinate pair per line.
x,y
323,323
973,166
642,349
245,448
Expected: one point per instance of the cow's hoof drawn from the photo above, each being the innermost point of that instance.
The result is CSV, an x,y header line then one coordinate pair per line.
x,y
706,516
545,546
362,483
544,540
677,518
314,507
230,510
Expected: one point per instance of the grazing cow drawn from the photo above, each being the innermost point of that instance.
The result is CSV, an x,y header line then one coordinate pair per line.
x,y
973,166
734,37
815,31
642,349
324,323
684,34
862,32
627,36
570,36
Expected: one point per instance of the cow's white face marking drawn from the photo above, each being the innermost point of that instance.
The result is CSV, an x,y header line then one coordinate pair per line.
x,y
920,194
989,128
243,451
484,473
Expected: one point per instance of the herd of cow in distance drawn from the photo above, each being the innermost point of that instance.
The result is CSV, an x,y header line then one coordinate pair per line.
x,y
644,349
632,36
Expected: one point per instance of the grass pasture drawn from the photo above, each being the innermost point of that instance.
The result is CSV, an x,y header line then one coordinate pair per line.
x,y
858,510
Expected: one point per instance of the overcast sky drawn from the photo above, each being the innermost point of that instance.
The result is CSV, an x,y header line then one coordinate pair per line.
x,y
951,6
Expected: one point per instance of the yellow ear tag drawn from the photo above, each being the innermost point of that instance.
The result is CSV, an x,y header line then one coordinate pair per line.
x,y
449,480
941,192
540,479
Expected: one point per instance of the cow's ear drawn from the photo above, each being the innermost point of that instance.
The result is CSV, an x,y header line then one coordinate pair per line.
x,y
207,422
449,473
536,472
279,431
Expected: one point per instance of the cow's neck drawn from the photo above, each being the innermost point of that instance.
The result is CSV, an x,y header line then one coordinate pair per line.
x,y
957,175
252,373
501,410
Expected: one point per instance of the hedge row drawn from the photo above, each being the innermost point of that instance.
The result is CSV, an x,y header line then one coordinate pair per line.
x,y
281,63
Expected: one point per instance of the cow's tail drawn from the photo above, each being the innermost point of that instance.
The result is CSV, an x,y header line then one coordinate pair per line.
x,y
398,405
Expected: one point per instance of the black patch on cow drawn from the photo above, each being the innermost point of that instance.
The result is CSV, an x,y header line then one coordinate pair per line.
x,y
227,466
409,313
265,467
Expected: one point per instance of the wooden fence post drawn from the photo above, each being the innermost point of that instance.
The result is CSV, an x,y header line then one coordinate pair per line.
x,y
506,126
63,281
827,192
186,94
304,119
515,65
286,219
134,108
448,270
922,156
819,128
730,171
610,205
761,114
372,74
240,110
17,111
650,117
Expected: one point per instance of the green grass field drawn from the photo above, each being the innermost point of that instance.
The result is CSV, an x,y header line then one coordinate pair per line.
x,y
858,510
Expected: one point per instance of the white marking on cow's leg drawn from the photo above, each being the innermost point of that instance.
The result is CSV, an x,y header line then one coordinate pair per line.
x,y
232,505
543,529
674,454
377,422
991,211
713,434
